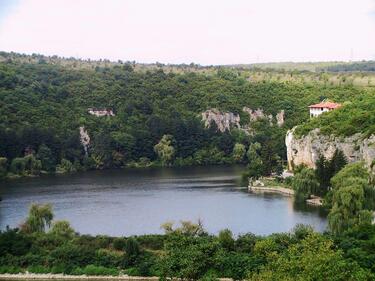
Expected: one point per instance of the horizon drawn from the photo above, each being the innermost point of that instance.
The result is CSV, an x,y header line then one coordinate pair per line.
x,y
208,33
185,63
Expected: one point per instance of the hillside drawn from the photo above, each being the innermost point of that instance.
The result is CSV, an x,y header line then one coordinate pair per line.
x,y
43,105
357,116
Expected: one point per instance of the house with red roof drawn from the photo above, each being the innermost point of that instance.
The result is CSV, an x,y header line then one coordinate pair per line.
x,y
325,106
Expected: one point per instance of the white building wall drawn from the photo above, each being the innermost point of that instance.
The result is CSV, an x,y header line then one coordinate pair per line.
x,y
317,111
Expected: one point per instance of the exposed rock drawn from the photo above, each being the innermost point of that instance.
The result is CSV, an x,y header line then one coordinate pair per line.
x,y
258,114
255,115
280,118
223,120
84,138
307,149
227,120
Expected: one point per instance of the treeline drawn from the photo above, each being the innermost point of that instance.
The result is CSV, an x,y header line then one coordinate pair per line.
x,y
42,245
363,66
43,105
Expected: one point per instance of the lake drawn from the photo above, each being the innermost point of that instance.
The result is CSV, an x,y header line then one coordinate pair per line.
x,y
138,201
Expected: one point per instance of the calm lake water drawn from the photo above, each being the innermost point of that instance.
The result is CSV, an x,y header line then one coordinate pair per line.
x,y
129,202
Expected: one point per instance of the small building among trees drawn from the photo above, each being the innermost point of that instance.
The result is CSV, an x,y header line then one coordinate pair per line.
x,y
325,106
99,112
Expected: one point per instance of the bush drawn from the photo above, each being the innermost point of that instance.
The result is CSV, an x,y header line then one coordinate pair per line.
x,y
132,271
119,243
77,271
10,269
100,270
38,269
59,269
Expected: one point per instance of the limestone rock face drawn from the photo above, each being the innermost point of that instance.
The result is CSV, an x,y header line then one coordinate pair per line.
x,y
258,114
280,118
227,120
307,149
223,120
84,138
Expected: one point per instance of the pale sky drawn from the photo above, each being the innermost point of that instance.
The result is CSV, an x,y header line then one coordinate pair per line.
x,y
184,31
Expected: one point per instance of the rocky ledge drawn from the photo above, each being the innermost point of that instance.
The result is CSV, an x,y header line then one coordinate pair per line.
x,y
307,149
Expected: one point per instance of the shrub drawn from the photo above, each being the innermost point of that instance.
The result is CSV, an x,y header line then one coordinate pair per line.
x,y
119,243
38,269
10,269
100,270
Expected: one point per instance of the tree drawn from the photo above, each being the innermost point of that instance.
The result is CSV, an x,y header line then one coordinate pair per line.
x,y
3,166
48,160
226,239
39,218
305,183
65,167
255,166
62,229
326,169
338,161
132,251
239,152
352,198
322,174
18,166
314,258
33,166
165,150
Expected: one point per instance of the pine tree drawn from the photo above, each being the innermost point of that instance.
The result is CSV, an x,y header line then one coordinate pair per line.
x,y
338,161
322,174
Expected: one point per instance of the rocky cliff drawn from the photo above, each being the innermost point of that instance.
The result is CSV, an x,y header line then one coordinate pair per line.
x,y
223,120
227,120
84,138
306,150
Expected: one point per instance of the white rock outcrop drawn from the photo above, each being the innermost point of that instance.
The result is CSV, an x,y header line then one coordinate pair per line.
x,y
227,120
306,150
84,138
223,120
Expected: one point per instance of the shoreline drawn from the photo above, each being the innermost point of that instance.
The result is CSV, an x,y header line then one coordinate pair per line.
x,y
279,190
314,200
51,276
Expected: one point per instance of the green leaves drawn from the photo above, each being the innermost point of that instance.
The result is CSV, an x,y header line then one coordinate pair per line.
x,y
352,198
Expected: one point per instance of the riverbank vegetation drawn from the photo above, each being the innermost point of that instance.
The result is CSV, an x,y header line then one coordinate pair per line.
x,y
42,245
44,102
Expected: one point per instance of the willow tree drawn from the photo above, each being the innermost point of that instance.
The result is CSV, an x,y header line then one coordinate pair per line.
x,y
305,184
39,218
255,166
352,199
165,150
239,151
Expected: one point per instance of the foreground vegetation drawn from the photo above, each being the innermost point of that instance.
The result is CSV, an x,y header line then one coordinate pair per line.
x,y
188,252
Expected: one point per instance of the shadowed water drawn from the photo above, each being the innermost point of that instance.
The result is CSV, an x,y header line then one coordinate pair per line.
x,y
129,202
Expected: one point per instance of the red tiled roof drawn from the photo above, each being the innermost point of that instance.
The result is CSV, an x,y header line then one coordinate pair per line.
x,y
330,105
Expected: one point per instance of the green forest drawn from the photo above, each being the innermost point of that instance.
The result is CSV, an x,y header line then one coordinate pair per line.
x,y
157,116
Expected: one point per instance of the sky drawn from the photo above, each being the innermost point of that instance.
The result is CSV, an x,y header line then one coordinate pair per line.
x,y
184,31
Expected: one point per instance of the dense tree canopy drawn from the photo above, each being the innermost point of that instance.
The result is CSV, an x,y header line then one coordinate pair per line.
x,y
43,104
